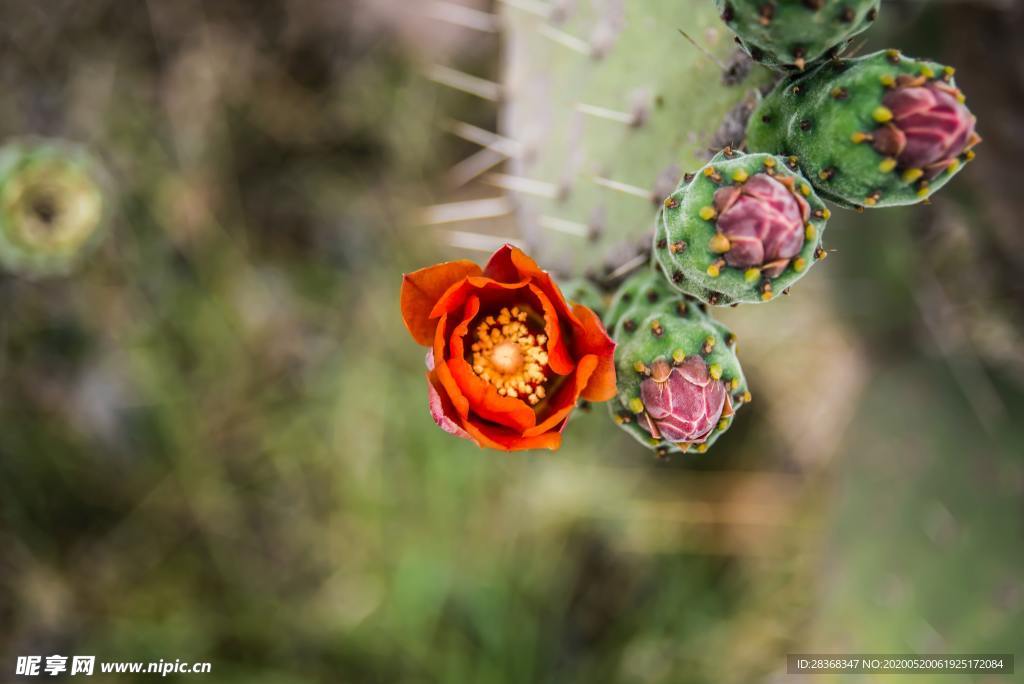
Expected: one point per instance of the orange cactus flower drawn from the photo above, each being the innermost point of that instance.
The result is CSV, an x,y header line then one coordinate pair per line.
x,y
509,357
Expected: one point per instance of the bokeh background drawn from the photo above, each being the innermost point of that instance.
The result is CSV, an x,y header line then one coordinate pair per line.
x,y
214,442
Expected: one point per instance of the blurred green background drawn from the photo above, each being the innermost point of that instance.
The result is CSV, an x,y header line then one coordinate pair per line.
x,y
214,442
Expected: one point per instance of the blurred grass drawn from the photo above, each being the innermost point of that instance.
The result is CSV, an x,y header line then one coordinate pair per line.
x,y
215,444
946,504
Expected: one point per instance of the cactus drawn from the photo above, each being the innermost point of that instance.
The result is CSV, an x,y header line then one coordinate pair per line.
x,y
608,105
53,208
741,229
789,34
644,284
585,292
678,379
876,131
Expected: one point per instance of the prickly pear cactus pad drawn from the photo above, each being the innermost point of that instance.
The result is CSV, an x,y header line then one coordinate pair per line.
x,y
678,379
608,105
877,131
742,229
52,206
644,285
585,292
792,33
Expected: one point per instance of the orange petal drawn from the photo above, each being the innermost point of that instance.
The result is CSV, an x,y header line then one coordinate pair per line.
x,y
423,288
442,410
510,264
503,268
494,437
483,397
592,338
455,297
484,281
559,359
528,268
442,372
565,399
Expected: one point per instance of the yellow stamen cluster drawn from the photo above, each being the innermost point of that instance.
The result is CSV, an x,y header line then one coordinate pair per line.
x,y
510,357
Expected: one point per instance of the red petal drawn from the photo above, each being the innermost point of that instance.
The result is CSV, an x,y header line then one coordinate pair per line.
x,y
494,437
714,400
502,265
564,400
695,370
509,264
444,374
442,410
421,291
677,430
726,197
592,338
559,359
455,297
744,252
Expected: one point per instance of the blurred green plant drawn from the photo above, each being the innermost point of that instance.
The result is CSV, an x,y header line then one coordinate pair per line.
x,y
54,205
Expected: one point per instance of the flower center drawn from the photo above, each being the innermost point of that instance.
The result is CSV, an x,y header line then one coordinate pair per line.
x,y
509,356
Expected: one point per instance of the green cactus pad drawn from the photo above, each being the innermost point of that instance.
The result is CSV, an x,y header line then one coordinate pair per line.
x,y
53,207
609,105
645,288
789,34
820,118
583,291
652,322
686,227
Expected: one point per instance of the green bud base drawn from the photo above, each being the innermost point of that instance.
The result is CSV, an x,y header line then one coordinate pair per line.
x,y
683,240
652,321
822,120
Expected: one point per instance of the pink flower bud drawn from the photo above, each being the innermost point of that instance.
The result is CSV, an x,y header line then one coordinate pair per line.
x,y
683,403
764,221
929,127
